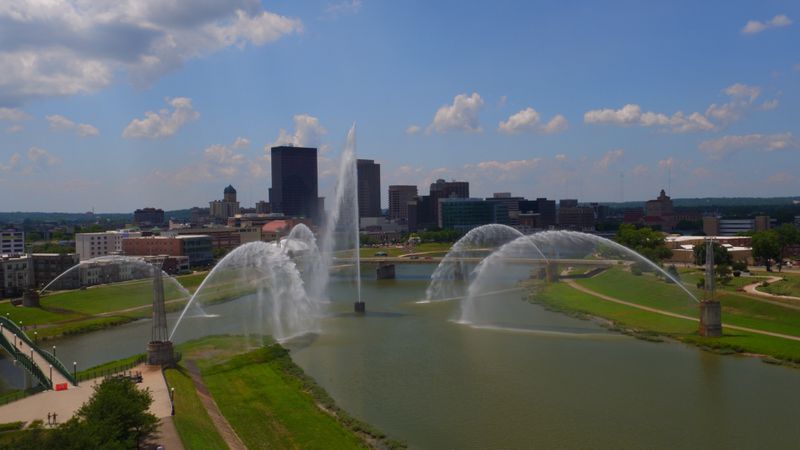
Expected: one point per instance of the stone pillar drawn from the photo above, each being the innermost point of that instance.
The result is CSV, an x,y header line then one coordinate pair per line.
x,y
385,271
710,318
552,272
30,299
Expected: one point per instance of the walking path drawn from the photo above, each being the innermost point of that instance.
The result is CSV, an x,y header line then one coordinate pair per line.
x,y
50,372
220,422
752,290
583,289
65,403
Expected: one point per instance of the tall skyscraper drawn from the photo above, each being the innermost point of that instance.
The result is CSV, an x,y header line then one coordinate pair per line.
x,y
295,182
369,188
399,196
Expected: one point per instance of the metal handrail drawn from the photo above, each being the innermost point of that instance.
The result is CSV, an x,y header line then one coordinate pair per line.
x,y
52,359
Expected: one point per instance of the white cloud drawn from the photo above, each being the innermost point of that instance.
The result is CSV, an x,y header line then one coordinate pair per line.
x,y
505,166
609,158
41,157
12,114
756,26
413,129
16,128
307,132
241,142
529,120
718,148
561,157
65,47
556,125
770,104
342,8
163,123
668,163
60,123
631,114
743,90
462,115
525,120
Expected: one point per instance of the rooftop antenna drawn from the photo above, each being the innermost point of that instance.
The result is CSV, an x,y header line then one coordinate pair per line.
x,y
669,179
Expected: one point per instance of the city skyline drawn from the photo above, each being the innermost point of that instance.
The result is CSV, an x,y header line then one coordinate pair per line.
x,y
557,101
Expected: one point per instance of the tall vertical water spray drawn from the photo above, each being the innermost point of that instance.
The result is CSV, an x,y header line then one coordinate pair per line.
x,y
342,223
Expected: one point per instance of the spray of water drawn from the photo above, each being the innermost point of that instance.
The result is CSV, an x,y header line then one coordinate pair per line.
x,y
342,223
266,273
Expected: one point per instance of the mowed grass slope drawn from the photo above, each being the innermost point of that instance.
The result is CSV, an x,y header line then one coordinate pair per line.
x,y
194,425
649,291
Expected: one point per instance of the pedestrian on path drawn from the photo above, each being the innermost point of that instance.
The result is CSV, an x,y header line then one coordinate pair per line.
x,y
48,418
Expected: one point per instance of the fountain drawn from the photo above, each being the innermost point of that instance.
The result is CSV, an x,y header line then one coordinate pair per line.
x,y
455,267
515,259
301,245
265,273
342,223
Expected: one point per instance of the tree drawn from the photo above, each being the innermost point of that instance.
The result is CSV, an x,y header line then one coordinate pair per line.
x,y
645,241
766,246
721,255
788,235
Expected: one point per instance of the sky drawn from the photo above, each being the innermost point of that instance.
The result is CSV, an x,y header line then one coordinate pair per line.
x,y
117,105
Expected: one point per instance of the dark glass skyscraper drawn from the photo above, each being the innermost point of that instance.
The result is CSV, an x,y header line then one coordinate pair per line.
x,y
369,188
294,182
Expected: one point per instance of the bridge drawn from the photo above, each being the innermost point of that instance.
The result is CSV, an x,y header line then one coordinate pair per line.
x,y
42,365
476,260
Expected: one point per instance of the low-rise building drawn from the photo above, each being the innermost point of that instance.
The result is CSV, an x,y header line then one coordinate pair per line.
x,y
12,242
197,248
93,245
739,247
464,214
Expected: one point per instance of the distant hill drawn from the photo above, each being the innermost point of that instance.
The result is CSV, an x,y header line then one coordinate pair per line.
x,y
19,217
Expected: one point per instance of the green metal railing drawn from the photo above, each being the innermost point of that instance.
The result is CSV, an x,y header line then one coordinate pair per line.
x,y
26,362
108,371
55,362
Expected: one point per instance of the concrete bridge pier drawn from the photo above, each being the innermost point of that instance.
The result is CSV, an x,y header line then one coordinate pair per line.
x,y
385,271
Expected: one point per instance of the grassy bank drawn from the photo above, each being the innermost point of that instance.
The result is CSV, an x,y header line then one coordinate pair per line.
x,y
649,291
269,401
98,307
194,425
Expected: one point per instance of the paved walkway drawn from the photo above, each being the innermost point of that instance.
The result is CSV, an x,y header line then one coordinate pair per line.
x,y
577,286
752,290
66,403
44,365
220,422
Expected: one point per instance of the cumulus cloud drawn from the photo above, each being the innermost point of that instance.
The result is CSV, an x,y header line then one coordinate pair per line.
x,y
640,170
39,159
631,114
60,123
742,98
163,123
65,47
307,132
721,147
462,115
609,158
770,104
781,178
529,120
16,128
413,129
756,26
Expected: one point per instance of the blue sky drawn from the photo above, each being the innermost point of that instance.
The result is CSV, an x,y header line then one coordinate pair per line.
x,y
125,104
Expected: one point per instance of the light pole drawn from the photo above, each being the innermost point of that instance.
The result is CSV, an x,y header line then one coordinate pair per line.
x,y
35,337
75,372
54,351
51,374
172,399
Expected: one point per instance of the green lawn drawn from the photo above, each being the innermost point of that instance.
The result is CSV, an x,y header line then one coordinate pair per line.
x,y
790,285
441,248
644,291
194,426
268,399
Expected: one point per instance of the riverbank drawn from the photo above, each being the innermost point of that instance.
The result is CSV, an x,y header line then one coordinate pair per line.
x,y
220,375
657,311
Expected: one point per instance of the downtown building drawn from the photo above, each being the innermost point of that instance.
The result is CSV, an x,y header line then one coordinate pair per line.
x,y
464,214
369,188
12,242
294,191
148,217
399,197
220,210
105,243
